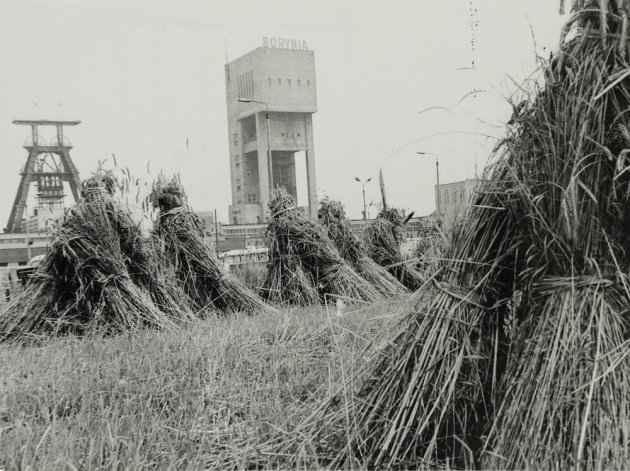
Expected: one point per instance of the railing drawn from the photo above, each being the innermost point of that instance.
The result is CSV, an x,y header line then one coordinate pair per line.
x,y
52,142
240,258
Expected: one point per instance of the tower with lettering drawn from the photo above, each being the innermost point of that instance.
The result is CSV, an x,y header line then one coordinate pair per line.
x,y
271,97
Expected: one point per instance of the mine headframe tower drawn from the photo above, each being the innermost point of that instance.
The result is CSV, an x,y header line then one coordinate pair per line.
x,y
48,165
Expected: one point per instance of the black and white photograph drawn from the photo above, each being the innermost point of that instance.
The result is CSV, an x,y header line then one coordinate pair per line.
x,y
314,234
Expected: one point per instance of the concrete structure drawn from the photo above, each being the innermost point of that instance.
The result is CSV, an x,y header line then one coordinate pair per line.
x,y
411,229
251,234
235,259
209,226
44,219
275,121
48,165
455,198
16,249
217,239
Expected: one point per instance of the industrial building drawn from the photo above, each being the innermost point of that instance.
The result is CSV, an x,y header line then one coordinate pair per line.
x,y
48,168
271,97
454,199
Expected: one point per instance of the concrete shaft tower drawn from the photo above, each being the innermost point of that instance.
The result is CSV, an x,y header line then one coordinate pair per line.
x,y
271,98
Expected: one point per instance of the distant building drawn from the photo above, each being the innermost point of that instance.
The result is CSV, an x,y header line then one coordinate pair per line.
x,y
411,229
455,198
415,226
359,225
234,259
43,219
276,88
252,235
16,249
207,217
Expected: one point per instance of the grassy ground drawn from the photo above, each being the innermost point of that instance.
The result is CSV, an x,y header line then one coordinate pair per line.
x,y
222,393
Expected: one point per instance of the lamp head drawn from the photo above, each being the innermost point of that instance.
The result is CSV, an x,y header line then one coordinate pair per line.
x,y
427,153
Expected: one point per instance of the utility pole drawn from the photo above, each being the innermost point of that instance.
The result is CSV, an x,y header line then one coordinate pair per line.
x,y
437,178
364,204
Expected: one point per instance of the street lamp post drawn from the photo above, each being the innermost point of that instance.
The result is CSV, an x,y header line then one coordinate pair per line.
x,y
269,165
437,177
363,186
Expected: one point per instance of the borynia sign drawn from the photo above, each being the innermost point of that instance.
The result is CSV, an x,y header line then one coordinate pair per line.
x,y
285,43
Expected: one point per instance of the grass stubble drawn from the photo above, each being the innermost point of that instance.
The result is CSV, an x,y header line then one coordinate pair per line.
x,y
222,393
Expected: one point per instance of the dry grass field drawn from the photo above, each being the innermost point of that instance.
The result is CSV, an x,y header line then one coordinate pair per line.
x,y
222,393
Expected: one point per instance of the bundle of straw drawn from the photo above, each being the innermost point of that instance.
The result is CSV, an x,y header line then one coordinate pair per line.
x,y
383,238
548,227
565,389
180,232
351,248
426,395
83,284
142,254
562,396
147,269
288,283
429,248
301,254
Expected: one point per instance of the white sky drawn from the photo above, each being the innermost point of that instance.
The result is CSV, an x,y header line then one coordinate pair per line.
x,y
146,76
